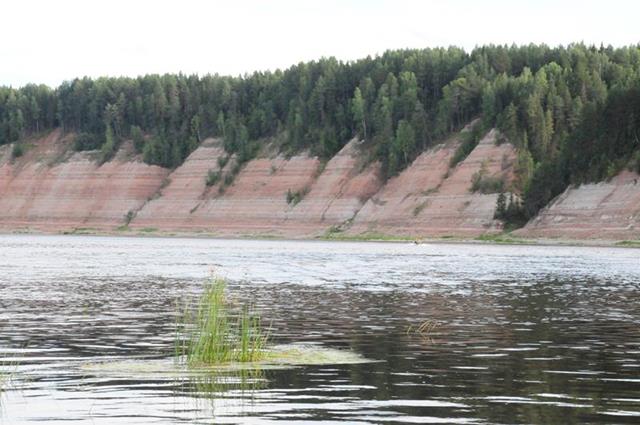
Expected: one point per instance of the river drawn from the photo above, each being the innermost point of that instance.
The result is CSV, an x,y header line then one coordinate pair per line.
x,y
516,334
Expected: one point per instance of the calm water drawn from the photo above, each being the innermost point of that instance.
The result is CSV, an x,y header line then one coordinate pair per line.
x,y
525,334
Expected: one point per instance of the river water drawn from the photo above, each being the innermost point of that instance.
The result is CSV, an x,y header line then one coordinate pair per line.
x,y
517,334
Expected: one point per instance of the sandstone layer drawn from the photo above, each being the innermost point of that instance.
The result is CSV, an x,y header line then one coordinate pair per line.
x,y
430,199
337,195
606,210
184,190
53,189
256,202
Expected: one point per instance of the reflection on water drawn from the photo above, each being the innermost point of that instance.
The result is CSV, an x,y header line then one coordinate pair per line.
x,y
519,335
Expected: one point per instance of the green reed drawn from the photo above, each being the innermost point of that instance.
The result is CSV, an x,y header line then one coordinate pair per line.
x,y
212,333
7,371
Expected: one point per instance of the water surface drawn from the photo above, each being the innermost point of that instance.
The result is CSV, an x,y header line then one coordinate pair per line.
x,y
521,334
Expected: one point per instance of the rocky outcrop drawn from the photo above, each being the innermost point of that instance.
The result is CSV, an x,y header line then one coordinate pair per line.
x,y
256,202
336,196
292,197
606,210
184,191
430,199
54,189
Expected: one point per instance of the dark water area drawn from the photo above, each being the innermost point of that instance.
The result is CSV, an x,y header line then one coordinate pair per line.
x,y
517,334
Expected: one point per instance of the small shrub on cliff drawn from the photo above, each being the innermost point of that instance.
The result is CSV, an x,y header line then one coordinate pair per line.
x,y
487,184
86,142
482,182
131,214
230,176
469,140
17,151
294,197
222,161
228,179
213,177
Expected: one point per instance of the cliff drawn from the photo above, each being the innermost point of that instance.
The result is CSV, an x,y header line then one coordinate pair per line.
x,y
429,198
256,202
605,210
53,189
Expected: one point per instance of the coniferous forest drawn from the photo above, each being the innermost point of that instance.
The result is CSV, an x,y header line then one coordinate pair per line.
x,y
572,112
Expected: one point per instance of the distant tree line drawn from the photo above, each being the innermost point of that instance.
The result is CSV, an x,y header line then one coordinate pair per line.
x,y
573,112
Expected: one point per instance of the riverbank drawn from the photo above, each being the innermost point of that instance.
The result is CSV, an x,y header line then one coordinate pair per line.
x,y
52,189
487,239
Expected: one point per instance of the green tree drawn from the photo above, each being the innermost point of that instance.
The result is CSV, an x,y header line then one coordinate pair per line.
x,y
108,148
138,138
501,207
403,145
358,109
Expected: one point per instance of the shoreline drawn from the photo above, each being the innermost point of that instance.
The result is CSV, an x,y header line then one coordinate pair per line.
x,y
491,239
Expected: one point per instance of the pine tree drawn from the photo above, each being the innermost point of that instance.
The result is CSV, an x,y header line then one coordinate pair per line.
x,y
138,138
404,143
501,207
108,148
358,110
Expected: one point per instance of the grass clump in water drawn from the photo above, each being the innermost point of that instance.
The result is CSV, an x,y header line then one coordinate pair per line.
x,y
7,371
212,333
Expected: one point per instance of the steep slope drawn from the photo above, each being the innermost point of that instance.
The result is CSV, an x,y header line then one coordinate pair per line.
x,y
428,199
606,210
186,188
256,202
337,195
53,189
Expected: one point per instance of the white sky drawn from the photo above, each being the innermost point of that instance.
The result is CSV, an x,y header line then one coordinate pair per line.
x,y
51,41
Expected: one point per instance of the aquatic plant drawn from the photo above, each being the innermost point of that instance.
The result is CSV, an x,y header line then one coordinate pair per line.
x,y
7,371
212,333
424,330
5,374
214,383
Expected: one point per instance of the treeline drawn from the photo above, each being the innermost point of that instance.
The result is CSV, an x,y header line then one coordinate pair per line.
x,y
572,111
308,106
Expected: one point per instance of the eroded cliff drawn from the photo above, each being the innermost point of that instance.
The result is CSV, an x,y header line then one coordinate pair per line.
x,y
429,198
605,210
52,188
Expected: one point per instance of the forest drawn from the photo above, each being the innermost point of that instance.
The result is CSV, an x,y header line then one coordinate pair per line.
x,y
573,112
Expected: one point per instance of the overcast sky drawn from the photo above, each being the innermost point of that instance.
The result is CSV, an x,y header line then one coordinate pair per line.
x,y
52,41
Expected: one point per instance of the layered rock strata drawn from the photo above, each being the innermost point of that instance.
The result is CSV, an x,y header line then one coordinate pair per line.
x,y
605,210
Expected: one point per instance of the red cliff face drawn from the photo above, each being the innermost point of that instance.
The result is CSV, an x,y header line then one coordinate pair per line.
x,y
255,203
184,190
53,189
336,196
429,199
606,210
